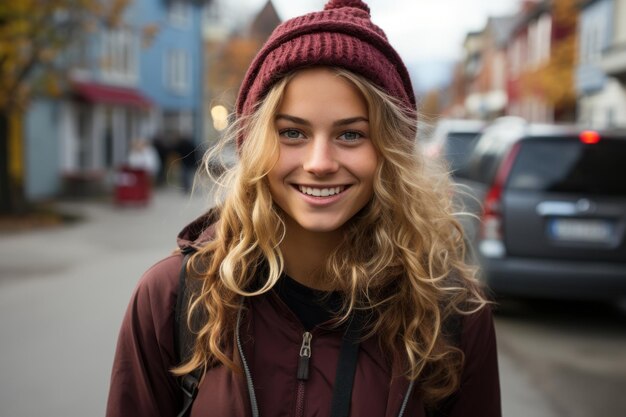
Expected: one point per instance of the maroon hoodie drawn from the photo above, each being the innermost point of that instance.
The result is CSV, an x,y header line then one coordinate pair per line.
x,y
271,336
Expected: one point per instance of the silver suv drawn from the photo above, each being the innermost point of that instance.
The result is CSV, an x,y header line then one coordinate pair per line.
x,y
552,207
453,139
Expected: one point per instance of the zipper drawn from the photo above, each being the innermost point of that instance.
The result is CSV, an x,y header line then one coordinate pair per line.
x,y
405,401
303,372
254,407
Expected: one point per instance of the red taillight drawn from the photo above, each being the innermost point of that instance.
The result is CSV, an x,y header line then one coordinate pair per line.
x,y
492,206
491,222
589,137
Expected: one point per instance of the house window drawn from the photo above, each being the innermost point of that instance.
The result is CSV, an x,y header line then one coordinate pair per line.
x,y
178,13
610,117
544,37
584,44
539,39
592,43
119,56
517,56
178,71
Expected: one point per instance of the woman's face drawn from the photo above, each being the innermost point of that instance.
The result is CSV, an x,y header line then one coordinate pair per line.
x,y
327,162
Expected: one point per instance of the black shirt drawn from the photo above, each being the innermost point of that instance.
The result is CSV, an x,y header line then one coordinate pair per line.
x,y
312,307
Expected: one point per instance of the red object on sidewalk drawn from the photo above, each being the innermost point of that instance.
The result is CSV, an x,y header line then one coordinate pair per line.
x,y
132,186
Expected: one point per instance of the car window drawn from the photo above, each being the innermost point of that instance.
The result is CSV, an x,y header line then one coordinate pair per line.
x,y
458,147
570,166
487,154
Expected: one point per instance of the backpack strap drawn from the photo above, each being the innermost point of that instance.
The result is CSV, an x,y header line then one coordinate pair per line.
x,y
346,367
184,339
452,328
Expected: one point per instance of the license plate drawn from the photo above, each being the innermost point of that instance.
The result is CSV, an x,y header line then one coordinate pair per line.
x,y
581,230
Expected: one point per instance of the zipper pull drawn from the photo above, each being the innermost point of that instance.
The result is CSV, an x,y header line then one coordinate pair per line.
x,y
305,356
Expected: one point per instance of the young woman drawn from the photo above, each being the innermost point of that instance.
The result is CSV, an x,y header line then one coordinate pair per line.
x,y
331,278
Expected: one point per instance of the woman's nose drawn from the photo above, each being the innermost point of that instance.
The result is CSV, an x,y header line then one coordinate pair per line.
x,y
320,158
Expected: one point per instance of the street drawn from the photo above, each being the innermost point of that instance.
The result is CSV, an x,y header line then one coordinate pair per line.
x,y
573,353
63,292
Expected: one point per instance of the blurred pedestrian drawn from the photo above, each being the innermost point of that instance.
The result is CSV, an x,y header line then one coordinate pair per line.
x,y
187,152
162,149
144,157
331,279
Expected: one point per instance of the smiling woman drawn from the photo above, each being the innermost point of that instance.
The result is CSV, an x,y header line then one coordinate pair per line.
x,y
326,166
330,280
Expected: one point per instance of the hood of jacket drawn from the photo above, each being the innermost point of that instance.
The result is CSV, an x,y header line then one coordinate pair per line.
x,y
197,233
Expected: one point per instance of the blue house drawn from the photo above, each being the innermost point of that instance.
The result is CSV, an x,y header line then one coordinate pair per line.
x,y
134,81
171,70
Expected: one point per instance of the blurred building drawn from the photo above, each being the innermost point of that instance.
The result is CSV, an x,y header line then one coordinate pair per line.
x,y
541,56
526,65
485,69
230,45
601,72
529,47
135,79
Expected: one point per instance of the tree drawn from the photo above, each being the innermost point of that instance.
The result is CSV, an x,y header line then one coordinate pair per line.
x,y
34,35
232,59
554,79
431,104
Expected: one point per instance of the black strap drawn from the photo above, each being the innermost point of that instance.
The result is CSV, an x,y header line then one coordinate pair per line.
x,y
180,310
189,387
344,379
183,339
452,329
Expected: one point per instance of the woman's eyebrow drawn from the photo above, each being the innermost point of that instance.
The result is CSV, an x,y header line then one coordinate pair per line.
x,y
293,119
341,122
350,120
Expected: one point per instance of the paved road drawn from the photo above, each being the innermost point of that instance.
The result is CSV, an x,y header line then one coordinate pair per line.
x,y
63,292
575,353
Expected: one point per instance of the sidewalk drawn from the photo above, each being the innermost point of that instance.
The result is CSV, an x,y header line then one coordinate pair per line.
x,y
63,292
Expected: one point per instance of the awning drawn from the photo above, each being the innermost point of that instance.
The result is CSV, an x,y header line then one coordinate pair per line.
x,y
100,93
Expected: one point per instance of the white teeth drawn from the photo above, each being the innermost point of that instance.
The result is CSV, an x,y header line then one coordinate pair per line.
x,y
320,192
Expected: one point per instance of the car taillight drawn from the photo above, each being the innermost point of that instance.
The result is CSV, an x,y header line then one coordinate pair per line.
x,y
589,137
491,244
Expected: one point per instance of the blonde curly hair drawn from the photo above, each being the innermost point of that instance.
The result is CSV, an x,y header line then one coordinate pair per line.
x,y
401,262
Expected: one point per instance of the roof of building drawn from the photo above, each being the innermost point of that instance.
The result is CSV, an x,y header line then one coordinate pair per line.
x,y
265,21
501,28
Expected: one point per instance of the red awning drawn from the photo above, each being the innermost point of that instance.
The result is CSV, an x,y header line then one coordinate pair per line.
x,y
100,93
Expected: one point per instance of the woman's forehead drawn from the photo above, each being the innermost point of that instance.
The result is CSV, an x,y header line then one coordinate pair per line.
x,y
321,91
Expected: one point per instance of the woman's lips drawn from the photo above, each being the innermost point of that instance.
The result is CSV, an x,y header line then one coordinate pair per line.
x,y
321,191
321,195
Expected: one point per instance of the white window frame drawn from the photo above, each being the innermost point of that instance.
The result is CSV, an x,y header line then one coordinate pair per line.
x,y
585,40
120,56
544,37
179,13
178,71
592,42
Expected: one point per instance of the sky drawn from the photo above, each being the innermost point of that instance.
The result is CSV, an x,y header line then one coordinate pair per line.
x,y
428,34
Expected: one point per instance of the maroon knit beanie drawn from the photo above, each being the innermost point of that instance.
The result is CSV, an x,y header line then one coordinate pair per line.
x,y
342,35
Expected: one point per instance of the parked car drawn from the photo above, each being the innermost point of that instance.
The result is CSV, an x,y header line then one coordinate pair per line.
x,y
553,216
453,139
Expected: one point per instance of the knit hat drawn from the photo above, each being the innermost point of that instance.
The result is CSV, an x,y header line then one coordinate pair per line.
x,y
342,35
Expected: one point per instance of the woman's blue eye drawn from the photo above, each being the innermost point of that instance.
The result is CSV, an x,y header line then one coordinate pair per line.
x,y
291,134
351,136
